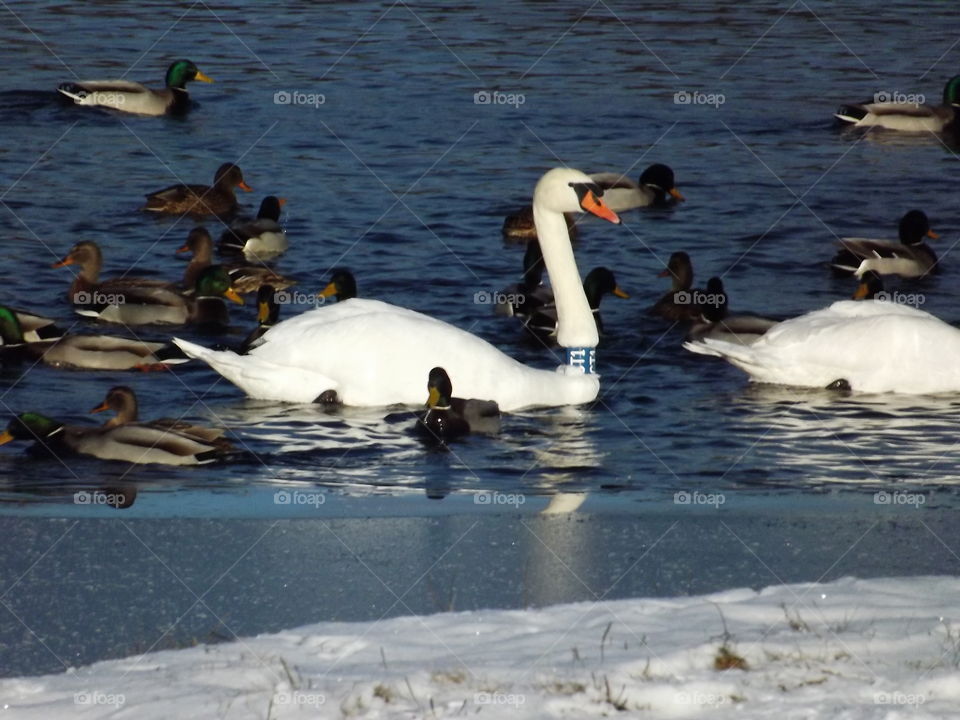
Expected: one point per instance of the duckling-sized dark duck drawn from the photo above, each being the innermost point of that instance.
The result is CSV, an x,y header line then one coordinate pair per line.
x,y
678,305
123,401
132,97
598,283
342,285
716,321
447,418
200,200
83,352
129,443
527,296
243,278
260,239
268,314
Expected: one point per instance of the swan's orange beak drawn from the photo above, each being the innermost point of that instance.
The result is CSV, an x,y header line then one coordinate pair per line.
x,y
595,205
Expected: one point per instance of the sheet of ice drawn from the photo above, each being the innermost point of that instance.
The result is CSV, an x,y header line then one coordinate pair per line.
x,y
848,649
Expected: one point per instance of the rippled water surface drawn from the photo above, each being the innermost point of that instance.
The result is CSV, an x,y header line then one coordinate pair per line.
x,y
402,177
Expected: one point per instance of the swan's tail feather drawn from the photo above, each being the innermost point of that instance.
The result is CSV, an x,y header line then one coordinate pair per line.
x,y
742,356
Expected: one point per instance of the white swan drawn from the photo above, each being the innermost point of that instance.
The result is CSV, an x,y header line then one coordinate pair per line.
x,y
375,354
871,346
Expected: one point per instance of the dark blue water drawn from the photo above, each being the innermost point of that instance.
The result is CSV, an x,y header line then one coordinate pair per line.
x,y
401,176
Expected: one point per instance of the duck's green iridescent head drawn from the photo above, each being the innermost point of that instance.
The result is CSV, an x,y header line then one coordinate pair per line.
x,y
439,388
183,71
29,426
10,331
951,91
215,282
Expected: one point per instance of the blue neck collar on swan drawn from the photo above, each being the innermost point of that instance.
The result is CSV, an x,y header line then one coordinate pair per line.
x,y
582,358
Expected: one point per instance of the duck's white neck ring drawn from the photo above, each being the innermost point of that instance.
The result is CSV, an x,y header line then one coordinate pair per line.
x,y
582,358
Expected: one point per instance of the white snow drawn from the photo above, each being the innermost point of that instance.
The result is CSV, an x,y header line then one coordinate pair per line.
x,y
848,649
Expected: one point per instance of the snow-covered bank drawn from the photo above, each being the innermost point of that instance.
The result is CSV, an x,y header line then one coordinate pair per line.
x,y
849,649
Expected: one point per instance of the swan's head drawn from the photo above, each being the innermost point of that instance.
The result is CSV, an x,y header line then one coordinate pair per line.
x,y
565,190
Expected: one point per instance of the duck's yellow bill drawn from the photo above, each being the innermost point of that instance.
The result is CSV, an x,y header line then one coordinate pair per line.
x,y
434,399
329,290
231,294
5,437
932,235
263,312
675,194
203,78
620,293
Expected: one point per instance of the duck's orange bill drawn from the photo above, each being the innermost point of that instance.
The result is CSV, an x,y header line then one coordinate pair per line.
x,y
931,234
243,186
185,248
329,290
5,437
101,407
281,201
203,78
595,205
231,294
862,292
620,293
66,261
665,273
675,194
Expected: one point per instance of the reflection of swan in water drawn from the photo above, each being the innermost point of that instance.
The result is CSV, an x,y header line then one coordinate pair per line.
x,y
819,437
567,451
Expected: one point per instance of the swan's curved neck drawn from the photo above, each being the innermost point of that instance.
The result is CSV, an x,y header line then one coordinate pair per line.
x,y
576,327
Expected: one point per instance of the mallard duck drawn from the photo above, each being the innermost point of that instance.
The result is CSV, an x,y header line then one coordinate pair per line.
x,y
524,297
717,323
862,345
200,200
656,187
520,226
268,314
680,303
447,417
137,302
123,401
342,285
908,117
243,278
87,288
130,443
375,354
132,97
87,352
259,239
598,282
911,257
